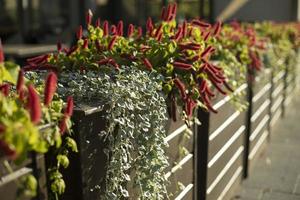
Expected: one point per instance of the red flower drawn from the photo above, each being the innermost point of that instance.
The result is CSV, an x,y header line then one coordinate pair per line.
x,y
105,28
140,32
181,87
79,33
183,66
34,105
120,28
217,29
20,82
98,22
1,52
88,18
130,30
199,23
50,88
147,63
113,30
149,25
85,43
70,107
63,125
112,42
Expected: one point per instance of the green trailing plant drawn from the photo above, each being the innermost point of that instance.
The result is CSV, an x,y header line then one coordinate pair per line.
x,y
136,115
22,118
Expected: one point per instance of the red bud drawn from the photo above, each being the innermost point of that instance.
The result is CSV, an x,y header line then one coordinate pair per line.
x,y
79,33
70,107
147,63
120,28
105,28
50,88
20,82
130,30
97,23
88,18
112,42
1,52
34,105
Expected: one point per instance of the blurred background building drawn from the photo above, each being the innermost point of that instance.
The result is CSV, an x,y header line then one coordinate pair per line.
x,y
47,21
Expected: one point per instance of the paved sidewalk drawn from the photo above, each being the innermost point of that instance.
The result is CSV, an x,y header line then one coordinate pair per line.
x,y
276,174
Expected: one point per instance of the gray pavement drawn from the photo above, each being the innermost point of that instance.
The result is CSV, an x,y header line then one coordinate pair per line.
x,y
276,173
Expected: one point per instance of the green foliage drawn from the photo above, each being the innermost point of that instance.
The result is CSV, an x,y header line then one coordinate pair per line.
x,y
19,135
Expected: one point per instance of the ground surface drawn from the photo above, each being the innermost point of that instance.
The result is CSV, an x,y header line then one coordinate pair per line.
x,y
276,174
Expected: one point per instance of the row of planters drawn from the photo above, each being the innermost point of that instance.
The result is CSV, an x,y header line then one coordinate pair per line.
x,y
172,111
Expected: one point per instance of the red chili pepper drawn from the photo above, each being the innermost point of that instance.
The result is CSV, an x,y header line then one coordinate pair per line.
x,y
88,18
147,63
98,22
79,33
5,88
199,23
1,52
20,82
120,28
130,30
50,88
34,105
112,42
105,28
181,88
70,107
183,66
